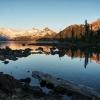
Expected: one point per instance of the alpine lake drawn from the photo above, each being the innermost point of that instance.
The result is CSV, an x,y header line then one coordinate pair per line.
x,y
81,66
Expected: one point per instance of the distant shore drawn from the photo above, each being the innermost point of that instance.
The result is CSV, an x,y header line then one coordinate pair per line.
x,y
56,43
62,44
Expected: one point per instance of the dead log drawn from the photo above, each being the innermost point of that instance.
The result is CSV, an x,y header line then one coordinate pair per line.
x,y
82,90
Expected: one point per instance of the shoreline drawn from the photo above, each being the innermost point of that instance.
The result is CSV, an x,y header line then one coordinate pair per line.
x,y
20,89
55,43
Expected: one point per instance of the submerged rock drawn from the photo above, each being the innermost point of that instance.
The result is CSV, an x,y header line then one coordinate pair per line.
x,y
26,80
66,87
60,90
13,89
6,62
37,91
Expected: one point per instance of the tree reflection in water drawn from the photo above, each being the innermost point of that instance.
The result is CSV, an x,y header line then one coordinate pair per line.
x,y
88,53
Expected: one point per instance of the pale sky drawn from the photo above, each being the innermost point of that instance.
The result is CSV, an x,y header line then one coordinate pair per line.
x,y
55,14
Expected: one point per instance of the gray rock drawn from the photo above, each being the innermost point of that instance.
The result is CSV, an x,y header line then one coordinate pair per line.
x,y
67,86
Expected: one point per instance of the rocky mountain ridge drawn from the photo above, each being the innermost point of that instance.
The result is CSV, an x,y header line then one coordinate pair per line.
x,y
46,33
78,30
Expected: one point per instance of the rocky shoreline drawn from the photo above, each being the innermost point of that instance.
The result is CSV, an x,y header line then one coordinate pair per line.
x,y
14,89
58,89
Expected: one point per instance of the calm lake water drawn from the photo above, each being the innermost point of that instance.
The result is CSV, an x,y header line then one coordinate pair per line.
x,y
80,66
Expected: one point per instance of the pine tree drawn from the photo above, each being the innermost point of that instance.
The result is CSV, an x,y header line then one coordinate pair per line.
x,y
86,30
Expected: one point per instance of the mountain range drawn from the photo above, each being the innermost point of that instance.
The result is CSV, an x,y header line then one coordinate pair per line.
x,y
46,33
32,34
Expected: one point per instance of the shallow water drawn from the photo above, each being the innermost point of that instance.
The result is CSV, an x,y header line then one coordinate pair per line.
x,y
77,66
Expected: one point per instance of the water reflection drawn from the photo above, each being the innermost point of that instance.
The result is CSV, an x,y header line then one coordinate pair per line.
x,y
15,61
13,51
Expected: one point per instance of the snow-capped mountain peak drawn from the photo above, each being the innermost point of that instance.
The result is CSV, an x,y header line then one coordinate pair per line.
x,y
11,33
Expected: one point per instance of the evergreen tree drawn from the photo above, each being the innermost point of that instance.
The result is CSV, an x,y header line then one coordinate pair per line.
x,y
91,33
86,30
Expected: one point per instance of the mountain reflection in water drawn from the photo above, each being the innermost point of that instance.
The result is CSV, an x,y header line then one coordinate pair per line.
x,y
14,51
72,63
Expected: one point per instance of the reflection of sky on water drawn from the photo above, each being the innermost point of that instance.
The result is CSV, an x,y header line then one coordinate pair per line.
x,y
64,67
